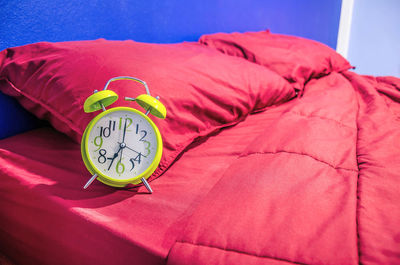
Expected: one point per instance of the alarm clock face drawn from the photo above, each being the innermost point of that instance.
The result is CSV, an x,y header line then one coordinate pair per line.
x,y
122,144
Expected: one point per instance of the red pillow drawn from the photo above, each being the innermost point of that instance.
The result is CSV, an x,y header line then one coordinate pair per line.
x,y
296,59
202,89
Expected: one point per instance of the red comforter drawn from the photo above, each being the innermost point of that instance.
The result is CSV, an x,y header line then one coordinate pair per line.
x,y
314,180
319,185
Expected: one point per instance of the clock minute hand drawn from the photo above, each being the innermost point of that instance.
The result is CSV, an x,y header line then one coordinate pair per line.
x,y
123,136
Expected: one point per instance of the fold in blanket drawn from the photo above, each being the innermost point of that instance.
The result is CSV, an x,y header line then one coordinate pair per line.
x,y
318,186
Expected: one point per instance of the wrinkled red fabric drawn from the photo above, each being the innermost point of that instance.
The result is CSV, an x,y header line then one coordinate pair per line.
x,y
202,89
314,180
296,59
319,186
47,218
292,194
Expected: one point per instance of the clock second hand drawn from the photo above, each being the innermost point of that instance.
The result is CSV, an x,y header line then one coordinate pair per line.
x,y
122,151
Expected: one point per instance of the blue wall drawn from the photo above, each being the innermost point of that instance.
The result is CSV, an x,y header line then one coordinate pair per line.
x,y
23,22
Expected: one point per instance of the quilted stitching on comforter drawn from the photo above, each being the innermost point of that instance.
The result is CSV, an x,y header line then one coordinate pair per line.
x,y
318,186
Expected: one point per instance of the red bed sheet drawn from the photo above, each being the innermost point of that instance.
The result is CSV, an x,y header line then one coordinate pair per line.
x,y
47,218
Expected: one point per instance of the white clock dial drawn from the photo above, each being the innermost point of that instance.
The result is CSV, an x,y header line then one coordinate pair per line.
x,y
122,144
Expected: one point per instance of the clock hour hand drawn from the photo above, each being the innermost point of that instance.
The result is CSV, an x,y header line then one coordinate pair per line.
x,y
114,156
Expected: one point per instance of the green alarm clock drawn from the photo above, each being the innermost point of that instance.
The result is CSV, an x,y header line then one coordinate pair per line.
x,y
122,145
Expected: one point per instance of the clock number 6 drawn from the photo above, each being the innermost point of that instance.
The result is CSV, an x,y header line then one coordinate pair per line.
x,y
120,168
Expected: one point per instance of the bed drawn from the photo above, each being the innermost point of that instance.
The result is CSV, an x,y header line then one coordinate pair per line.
x,y
275,152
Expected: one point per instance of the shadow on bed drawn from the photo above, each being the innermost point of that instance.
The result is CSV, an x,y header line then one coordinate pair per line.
x,y
55,162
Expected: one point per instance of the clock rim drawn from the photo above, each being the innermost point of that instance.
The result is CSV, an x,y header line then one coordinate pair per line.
x,y
109,180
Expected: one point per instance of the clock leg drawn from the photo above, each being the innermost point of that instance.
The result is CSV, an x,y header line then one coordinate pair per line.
x,y
90,181
147,185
